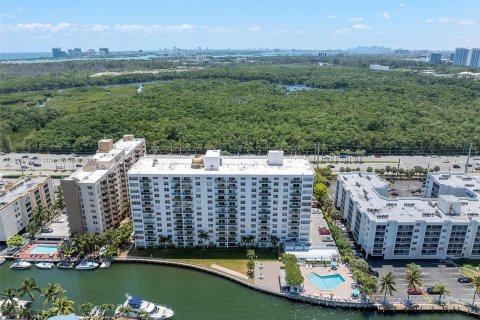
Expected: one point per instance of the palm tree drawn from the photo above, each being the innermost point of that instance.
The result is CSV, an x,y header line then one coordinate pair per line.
x,y
274,241
442,289
62,306
414,278
387,284
28,286
203,235
31,229
9,301
39,216
476,285
27,313
85,309
125,310
251,254
107,307
143,314
164,240
51,292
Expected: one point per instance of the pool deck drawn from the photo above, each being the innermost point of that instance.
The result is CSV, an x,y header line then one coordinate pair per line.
x,y
25,254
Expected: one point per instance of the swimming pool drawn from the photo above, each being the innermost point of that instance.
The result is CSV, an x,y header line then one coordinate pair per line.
x,y
326,282
43,249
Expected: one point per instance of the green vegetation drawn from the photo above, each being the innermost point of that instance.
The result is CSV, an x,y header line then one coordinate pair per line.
x,y
242,108
475,284
293,274
442,290
54,304
251,264
387,285
16,240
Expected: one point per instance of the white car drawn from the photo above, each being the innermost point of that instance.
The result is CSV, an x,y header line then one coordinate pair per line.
x,y
446,161
327,239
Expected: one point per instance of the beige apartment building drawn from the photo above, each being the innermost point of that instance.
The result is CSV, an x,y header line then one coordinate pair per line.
x,y
96,196
18,199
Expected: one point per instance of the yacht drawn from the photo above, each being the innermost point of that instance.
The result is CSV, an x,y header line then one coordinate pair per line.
x,y
87,265
106,263
2,260
20,265
44,265
137,305
20,303
65,265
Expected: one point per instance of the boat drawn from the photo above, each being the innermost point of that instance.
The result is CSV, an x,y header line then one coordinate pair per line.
x,y
137,305
20,265
20,303
87,265
44,265
2,260
106,263
65,265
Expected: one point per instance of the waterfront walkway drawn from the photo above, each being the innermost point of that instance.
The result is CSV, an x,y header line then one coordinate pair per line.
x,y
231,272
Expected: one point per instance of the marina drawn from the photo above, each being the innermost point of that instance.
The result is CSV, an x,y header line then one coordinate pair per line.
x,y
191,294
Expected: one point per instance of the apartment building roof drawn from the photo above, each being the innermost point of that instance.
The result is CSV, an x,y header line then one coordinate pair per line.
x,y
371,194
229,165
11,190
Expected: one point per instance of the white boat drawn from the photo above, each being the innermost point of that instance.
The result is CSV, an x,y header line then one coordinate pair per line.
x,y
87,265
2,260
20,303
137,305
106,264
65,265
20,265
44,265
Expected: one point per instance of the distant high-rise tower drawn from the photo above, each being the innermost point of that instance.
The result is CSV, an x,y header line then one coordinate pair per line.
x,y
461,57
435,58
475,58
57,52
103,51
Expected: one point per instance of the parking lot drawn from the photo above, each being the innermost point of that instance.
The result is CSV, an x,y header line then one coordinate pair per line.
x,y
316,240
433,272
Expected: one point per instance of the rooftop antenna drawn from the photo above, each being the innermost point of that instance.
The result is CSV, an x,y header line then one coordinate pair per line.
x,y
468,158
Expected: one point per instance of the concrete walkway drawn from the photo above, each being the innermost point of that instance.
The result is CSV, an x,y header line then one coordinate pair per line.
x,y
229,271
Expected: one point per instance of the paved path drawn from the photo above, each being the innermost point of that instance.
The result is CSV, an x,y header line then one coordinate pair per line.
x,y
229,271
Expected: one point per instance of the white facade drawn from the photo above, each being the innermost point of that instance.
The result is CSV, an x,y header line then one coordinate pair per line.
x,y
18,198
96,196
227,197
444,224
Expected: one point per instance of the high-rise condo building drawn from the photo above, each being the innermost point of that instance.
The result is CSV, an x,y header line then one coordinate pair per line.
x,y
228,198
444,224
18,199
96,196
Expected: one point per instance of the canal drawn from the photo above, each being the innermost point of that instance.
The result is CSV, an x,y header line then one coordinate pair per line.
x,y
191,294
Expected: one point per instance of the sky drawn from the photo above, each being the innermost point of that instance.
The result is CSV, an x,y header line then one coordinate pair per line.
x,y
37,26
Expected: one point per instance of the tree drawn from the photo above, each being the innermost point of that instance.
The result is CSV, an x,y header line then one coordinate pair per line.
x,y
320,193
274,241
107,308
28,286
441,289
51,292
62,306
387,284
143,314
9,304
40,216
32,229
436,168
251,254
203,235
16,240
85,309
251,268
59,200
414,278
475,284
164,240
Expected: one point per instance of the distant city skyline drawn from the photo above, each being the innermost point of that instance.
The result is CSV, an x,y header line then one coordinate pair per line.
x,y
34,26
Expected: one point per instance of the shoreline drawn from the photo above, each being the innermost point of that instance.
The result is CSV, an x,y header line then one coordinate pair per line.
x,y
370,306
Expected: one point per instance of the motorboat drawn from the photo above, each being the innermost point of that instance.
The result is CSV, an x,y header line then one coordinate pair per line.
x,y
44,265
106,264
97,312
2,260
65,265
20,265
87,265
20,303
136,305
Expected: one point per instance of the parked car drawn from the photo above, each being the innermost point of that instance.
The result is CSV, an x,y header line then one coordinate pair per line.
x,y
24,167
37,164
25,157
331,166
456,166
78,165
46,230
35,158
373,272
446,161
331,245
11,250
431,290
465,280
327,239
414,292
358,254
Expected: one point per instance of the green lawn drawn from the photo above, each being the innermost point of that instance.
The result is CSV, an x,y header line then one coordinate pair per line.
x,y
469,267
234,259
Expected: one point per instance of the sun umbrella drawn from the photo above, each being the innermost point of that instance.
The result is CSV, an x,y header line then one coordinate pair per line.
x,y
355,292
333,263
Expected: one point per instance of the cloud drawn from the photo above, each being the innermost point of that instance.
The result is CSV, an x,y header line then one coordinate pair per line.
x,y
400,5
152,28
466,23
220,29
255,29
386,15
360,26
343,30
33,27
429,20
97,28
446,20
356,19
380,32
7,16
331,17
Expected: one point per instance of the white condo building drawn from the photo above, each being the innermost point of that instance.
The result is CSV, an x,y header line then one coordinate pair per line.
x,y
441,225
229,197
18,199
96,196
